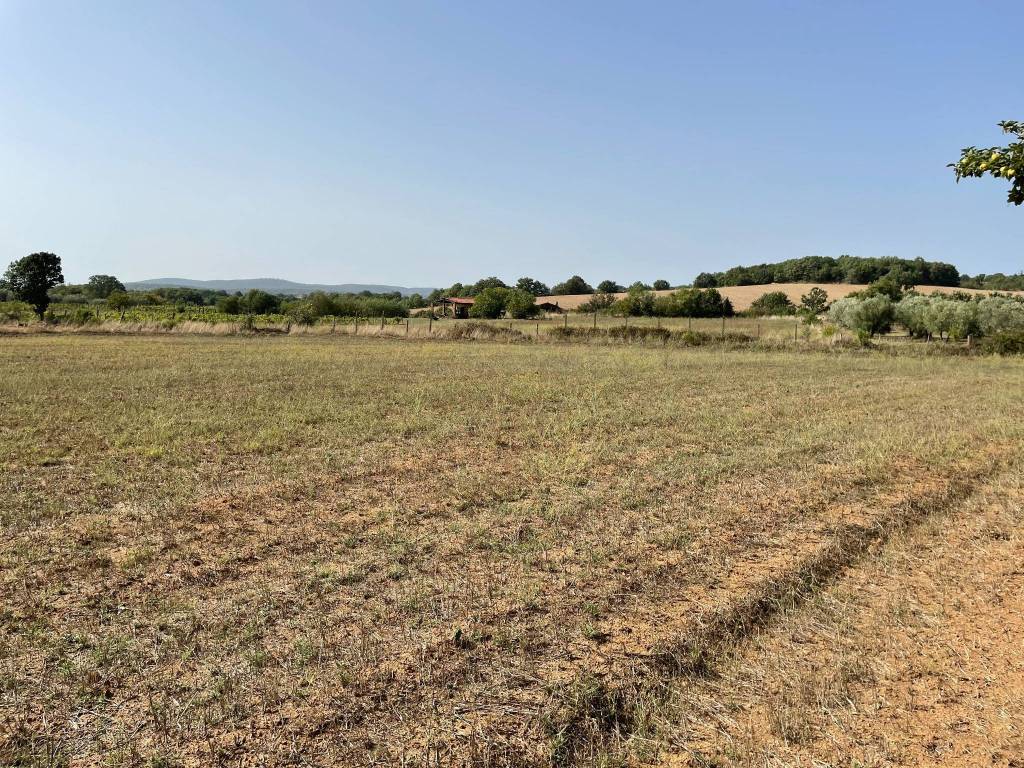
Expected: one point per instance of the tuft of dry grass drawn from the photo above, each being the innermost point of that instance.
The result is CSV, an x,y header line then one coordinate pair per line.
x,y
913,658
345,550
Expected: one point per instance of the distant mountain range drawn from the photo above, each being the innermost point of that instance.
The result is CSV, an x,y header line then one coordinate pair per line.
x,y
270,285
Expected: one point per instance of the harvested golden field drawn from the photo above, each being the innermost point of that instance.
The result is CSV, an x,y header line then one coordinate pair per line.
x,y
368,551
742,296
914,658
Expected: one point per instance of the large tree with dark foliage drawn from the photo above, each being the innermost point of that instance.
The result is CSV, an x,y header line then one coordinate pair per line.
x,y
573,286
101,286
30,279
536,287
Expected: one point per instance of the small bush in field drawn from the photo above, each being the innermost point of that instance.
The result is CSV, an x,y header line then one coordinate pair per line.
x,y
639,333
1005,343
483,331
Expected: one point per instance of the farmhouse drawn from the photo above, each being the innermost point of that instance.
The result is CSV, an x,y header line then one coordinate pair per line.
x,y
460,307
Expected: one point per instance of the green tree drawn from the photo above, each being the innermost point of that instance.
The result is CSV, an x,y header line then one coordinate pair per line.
x,y
1001,162
321,305
521,304
230,305
814,302
693,302
101,286
259,302
662,285
31,278
609,286
638,301
573,286
489,303
531,286
772,303
120,301
886,286
599,302
706,280
485,283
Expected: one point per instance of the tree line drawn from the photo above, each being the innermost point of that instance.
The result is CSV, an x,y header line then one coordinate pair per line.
x,y
827,269
572,286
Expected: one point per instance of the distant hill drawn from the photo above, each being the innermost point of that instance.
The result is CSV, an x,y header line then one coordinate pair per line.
x,y
270,285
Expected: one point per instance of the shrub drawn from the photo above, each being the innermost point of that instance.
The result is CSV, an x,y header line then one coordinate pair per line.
x,y
693,302
599,302
639,333
772,303
638,302
83,316
303,312
1005,343
483,331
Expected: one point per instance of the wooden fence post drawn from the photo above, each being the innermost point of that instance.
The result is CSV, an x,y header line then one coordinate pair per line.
x,y
595,321
796,329
723,326
407,326
430,322
382,321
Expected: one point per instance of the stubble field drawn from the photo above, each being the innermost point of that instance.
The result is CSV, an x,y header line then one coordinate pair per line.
x,y
370,551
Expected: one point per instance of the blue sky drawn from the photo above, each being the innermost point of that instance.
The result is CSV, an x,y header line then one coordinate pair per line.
x,y
420,143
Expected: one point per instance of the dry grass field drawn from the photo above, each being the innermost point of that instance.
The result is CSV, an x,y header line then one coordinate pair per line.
x,y
742,296
333,550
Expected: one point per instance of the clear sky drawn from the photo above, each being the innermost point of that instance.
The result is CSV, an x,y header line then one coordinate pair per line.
x,y
419,143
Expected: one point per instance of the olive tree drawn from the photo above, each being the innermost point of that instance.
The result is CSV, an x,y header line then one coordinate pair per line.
x,y
997,314
912,314
866,316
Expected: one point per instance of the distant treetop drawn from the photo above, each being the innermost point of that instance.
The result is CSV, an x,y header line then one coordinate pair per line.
x,y
574,285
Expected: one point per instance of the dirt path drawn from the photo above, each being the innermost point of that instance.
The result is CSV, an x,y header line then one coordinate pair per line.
x,y
914,658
